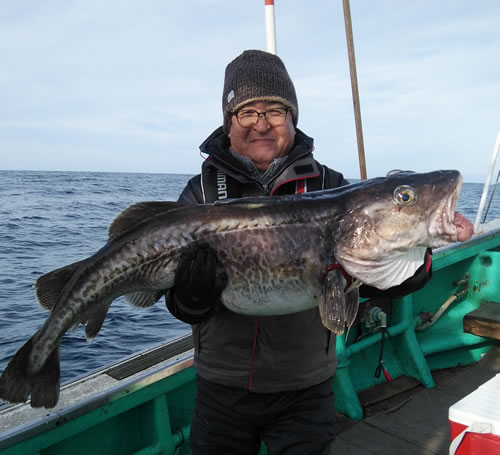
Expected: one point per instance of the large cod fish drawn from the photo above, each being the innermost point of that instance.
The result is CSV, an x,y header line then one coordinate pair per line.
x,y
279,254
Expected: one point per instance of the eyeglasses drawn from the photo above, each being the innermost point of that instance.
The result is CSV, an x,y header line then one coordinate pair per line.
x,y
248,117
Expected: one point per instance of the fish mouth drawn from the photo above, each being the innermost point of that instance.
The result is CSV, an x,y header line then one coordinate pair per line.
x,y
451,205
448,224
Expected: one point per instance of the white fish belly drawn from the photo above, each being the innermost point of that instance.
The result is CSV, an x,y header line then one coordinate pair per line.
x,y
268,298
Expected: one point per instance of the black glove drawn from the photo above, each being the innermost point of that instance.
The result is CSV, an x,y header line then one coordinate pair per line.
x,y
199,281
414,283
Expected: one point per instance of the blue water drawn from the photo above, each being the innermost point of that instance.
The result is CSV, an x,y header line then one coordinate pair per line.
x,y
51,219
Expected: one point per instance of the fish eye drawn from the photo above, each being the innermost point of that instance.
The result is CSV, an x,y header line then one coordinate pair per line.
x,y
405,195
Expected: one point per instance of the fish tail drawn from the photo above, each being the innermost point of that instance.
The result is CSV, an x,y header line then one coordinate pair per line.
x,y
16,384
45,384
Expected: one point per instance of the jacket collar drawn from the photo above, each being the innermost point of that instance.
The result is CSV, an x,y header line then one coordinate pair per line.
x,y
217,145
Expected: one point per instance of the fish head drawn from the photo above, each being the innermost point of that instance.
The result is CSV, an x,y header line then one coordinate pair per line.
x,y
389,223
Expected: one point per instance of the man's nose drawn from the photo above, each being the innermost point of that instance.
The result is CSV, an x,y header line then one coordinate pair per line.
x,y
262,123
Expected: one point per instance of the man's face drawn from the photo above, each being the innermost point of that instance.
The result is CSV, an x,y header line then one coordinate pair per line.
x,y
261,142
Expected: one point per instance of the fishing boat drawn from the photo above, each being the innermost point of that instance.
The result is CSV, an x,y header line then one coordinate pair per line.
x,y
398,349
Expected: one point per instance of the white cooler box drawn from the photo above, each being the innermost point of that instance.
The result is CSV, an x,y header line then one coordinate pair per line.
x,y
475,421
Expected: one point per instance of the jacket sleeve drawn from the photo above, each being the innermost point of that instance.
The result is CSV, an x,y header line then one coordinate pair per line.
x,y
192,194
182,313
333,179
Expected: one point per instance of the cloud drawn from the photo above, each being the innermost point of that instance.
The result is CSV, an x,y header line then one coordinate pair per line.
x,y
126,84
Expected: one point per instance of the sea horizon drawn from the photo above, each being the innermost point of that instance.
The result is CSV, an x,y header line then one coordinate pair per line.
x,y
475,179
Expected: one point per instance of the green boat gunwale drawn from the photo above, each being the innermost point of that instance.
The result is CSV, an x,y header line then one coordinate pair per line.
x,y
65,413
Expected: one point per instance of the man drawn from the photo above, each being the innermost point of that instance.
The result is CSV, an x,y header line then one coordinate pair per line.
x,y
258,378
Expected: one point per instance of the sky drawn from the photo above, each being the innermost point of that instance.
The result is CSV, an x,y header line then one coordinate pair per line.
x,y
136,85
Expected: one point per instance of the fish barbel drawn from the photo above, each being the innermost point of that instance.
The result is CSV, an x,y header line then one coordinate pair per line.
x,y
275,251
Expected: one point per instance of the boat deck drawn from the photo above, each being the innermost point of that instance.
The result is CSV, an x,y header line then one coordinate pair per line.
x,y
405,418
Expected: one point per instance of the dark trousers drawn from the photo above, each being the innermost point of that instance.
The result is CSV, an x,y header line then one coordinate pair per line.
x,y
234,421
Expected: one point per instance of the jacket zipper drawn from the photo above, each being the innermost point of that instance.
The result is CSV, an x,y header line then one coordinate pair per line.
x,y
250,377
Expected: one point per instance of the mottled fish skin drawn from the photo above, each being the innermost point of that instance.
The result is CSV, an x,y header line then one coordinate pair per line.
x,y
274,250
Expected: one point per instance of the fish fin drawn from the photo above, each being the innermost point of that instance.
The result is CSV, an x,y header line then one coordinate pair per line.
x,y
16,385
351,308
45,385
49,286
95,320
143,299
388,272
137,213
332,303
74,326
14,382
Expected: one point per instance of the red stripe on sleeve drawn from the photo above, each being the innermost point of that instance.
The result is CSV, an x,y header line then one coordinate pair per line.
x,y
300,186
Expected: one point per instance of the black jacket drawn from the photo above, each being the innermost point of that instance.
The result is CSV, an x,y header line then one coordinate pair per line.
x,y
271,353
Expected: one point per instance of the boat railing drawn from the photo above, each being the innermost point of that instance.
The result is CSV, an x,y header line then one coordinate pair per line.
x,y
494,185
487,186
91,392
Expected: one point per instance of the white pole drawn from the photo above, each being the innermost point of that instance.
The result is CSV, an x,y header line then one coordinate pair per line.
x,y
487,183
270,26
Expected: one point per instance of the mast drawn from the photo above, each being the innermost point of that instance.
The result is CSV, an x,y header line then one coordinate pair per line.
x,y
355,91
270,26
271,47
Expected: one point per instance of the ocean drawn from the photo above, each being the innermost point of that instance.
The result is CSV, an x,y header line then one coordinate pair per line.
x,y
51,219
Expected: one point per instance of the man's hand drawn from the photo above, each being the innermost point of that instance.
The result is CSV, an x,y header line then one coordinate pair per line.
x,y
199,281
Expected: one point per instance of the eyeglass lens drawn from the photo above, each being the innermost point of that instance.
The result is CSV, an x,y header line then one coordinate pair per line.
x,y
249,117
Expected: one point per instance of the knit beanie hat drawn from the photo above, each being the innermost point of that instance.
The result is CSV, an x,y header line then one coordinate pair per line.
x,y
257,76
